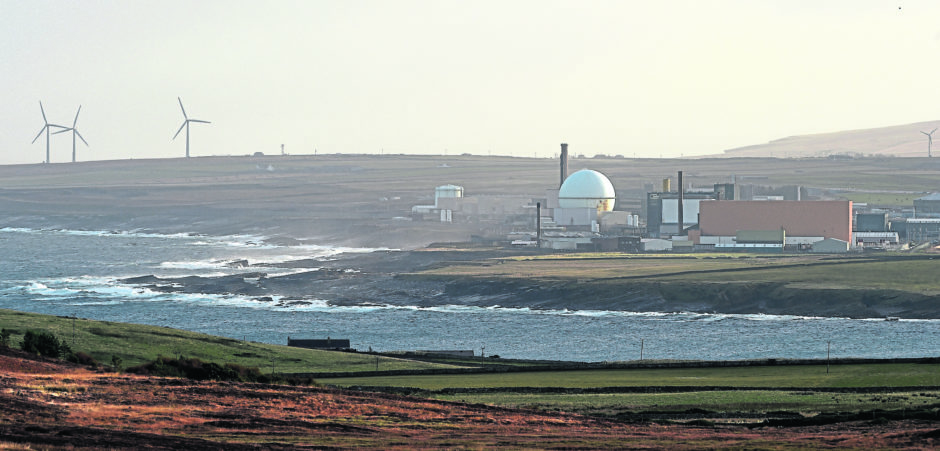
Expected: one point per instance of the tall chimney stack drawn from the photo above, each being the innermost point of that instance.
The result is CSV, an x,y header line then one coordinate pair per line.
x,y
681,199
538,224
564,163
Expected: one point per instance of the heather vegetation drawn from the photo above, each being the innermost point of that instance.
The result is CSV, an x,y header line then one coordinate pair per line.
x,y
51,406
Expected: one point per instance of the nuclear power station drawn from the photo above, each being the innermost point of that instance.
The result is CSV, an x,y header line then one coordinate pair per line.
x,y
582,213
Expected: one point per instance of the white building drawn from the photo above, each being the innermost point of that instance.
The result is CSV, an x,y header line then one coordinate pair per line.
x,y
582,197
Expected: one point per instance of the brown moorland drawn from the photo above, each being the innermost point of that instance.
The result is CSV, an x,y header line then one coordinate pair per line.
x,y
48,404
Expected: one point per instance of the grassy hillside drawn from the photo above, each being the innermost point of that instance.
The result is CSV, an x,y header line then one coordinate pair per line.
x,y
135,344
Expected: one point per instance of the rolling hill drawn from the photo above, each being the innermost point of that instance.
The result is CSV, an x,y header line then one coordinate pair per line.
x,y
895,141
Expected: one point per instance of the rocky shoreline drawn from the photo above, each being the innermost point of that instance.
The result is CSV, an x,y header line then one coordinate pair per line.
x,y
391,278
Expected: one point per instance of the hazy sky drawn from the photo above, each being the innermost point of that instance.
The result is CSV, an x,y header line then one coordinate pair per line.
x,y
651,78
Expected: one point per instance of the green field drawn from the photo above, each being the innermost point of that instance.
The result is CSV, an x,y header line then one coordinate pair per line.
x,y
908,273
804,376
881,198
136,344
748,401
793,389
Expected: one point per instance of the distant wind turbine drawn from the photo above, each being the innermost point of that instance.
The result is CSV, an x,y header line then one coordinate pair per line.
x,y
45,128
74,130
929,141
186,121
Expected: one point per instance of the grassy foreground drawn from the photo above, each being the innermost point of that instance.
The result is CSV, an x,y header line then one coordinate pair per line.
x,y
135,344
53,406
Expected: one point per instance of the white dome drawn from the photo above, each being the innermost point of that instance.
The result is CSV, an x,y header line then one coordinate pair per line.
x,y
587,189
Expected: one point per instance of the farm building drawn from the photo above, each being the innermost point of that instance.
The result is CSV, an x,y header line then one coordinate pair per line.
x,y
329,343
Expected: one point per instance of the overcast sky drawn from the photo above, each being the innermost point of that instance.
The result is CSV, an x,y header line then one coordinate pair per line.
x,y
650,79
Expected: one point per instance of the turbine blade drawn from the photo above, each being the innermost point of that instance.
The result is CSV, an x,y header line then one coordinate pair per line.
x,y
63,131
40,133
80,137
181,107
181,129
76,116
43,113
200,121
935,129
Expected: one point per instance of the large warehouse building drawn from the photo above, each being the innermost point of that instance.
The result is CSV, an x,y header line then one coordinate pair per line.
x,y
801,222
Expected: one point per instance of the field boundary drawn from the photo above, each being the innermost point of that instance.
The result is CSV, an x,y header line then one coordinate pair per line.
x,y
630,389
513,366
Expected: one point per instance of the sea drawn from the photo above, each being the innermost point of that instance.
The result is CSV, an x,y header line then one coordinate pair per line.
x,y
83,273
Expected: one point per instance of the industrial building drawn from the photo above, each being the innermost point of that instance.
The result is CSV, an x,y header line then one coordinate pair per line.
x,y
830,246
583,198
880,240
451,205
580,214
793,224
928,206
923,229
662,209
871,222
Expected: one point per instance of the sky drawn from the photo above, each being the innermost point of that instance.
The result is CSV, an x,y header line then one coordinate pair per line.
x,y
487,77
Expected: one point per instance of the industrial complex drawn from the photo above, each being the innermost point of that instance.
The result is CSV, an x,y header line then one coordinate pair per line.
x,y
582,213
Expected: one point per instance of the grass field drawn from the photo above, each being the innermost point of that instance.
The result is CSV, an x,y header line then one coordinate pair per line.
x,y
881,198
732,401
136,344
794,389
901,272
804,376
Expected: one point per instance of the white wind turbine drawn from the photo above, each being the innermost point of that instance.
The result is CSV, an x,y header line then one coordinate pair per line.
x,y
186,121
929,141
74,130
45,128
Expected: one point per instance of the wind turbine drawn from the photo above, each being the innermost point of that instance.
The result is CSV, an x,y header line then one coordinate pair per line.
x,y
75,132
186,121
929,141
45,128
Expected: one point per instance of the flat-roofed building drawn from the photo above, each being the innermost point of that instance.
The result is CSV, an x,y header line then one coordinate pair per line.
x,y
816,219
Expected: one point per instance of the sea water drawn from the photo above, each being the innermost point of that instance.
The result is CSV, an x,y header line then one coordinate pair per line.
x,y
80,273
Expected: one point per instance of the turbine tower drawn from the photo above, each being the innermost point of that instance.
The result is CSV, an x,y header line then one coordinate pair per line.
x,y
929,141
74,130
45,128
186,121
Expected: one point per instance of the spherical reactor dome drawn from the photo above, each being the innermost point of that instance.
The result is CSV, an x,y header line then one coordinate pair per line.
x,y
587,189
